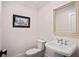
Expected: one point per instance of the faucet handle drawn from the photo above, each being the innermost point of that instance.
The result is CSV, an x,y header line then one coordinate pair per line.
x,y
62,41
66,42
58,40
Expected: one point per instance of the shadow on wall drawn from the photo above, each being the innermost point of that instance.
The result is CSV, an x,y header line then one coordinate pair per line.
x,y
76,54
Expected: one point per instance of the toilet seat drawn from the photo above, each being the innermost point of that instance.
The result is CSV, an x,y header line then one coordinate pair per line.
x,y
32,51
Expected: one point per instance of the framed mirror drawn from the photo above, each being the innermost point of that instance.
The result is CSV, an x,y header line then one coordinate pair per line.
x,y
66,19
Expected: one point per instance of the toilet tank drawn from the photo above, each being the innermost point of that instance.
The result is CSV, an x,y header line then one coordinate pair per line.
x,y
41,44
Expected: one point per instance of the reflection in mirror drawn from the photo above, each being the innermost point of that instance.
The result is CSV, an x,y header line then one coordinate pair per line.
x,y
65,18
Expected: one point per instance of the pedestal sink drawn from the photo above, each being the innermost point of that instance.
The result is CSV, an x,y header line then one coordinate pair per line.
x,y
66,50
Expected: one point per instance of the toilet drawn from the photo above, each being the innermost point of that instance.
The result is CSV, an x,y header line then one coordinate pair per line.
x,y
36,52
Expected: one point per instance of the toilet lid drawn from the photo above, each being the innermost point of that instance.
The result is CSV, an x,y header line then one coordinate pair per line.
x,y
32,51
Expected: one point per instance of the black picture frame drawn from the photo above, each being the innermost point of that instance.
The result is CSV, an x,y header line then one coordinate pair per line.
x,y
21,21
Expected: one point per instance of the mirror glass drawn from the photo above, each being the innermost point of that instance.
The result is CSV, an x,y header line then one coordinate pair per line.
x,y
65,18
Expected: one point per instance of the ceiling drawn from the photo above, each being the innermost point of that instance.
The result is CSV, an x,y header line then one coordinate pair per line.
x,y
36,4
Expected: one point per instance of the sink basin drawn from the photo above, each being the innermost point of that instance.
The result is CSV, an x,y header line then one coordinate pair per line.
x,y
66,50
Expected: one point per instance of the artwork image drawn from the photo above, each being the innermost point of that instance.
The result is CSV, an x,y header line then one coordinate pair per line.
x,y
21,21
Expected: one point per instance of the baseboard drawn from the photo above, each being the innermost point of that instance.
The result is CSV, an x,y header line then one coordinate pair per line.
x,y
20,55
23,55
46,55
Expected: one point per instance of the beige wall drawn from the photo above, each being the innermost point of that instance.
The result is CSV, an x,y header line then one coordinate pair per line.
x,y
18,40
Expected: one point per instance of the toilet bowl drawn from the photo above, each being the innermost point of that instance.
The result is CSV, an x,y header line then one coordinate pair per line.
x,y
33,52
36,52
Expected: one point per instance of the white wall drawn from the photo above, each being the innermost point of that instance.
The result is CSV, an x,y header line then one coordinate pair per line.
x,y
18,40
0,26
45,20
45,24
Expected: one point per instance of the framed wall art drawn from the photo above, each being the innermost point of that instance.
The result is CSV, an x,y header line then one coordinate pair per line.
x,y
21,21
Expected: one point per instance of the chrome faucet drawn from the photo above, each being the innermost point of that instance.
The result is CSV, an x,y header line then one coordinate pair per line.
x,y
66,42
61,41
